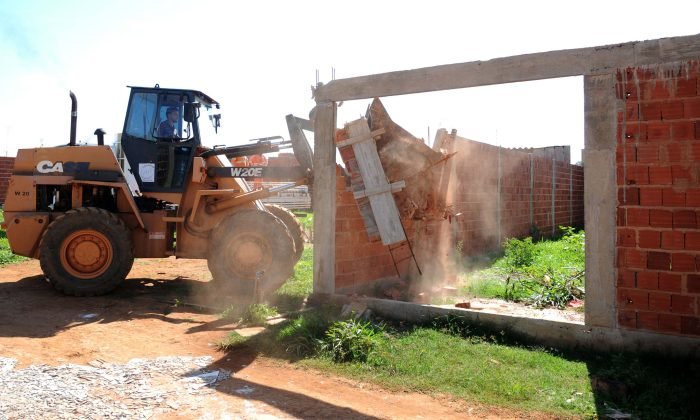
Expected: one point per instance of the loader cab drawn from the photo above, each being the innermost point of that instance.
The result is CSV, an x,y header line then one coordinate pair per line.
x,y
161,135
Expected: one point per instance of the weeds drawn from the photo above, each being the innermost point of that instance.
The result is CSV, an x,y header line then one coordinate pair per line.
x,y
351,340
303,336
542,274
552,289
6,256
231,341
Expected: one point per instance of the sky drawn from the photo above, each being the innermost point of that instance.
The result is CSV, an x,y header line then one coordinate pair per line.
x,y
259,60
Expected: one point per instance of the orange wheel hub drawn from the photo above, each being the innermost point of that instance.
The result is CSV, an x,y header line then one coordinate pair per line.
x,y
248,255
86,254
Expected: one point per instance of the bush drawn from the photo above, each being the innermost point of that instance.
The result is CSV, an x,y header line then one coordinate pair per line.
x,y
351,341
519,252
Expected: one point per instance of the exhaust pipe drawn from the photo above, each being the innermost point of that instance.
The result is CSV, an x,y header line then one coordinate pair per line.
x,y
73,117
100,133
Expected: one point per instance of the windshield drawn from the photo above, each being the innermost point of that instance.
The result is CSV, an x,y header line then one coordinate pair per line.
x,y
208,124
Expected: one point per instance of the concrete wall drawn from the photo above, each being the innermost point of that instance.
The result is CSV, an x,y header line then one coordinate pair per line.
x,y
658,218
6,165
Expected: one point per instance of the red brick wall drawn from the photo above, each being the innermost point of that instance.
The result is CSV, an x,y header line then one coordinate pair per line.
x,y
6,165
358,259
525,181
658,176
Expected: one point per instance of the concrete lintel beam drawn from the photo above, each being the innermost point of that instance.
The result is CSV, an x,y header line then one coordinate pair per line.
x,y
544,65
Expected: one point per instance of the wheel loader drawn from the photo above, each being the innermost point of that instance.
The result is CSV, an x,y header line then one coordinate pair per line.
x,y
86,211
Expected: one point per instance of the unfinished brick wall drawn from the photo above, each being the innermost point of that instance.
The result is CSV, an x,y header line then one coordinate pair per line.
x,y
527,184
658,177
503,193
6,165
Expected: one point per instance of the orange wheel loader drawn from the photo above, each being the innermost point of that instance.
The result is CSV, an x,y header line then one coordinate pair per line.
x,y
86,211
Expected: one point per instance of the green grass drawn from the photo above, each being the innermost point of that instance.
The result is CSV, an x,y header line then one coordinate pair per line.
x,y
306,220
487,283
457,359
545,273
6,256
431,361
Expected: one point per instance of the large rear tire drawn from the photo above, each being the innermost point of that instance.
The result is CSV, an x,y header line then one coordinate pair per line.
x,y
86,252
293,225
251,244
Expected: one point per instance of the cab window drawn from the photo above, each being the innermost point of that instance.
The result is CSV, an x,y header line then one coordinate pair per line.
x,y
157,117
142,115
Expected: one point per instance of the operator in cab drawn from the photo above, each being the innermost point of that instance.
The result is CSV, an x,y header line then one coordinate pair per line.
x,y
167,127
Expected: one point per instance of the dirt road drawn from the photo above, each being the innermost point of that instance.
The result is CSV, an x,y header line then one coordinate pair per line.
x,y
40,326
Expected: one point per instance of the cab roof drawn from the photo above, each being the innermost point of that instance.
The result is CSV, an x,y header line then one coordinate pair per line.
x,y
195,92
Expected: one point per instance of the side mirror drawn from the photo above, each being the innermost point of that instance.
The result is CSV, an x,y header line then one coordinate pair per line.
x,y
217,122
190,112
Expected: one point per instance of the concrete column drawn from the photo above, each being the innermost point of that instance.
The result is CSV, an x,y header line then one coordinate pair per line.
x,y
600,198
323,198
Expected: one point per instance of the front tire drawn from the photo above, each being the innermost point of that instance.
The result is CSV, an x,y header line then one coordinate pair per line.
x,y
251,244
86,252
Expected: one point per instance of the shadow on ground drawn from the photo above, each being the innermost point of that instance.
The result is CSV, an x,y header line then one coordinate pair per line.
x,y
293,403
647,386
32,308
640,385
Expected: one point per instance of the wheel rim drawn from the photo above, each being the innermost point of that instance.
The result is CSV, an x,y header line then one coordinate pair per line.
x,y
248,255
86,254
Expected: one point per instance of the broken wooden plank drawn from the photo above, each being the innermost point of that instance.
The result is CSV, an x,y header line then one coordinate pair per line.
x,y
383,205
